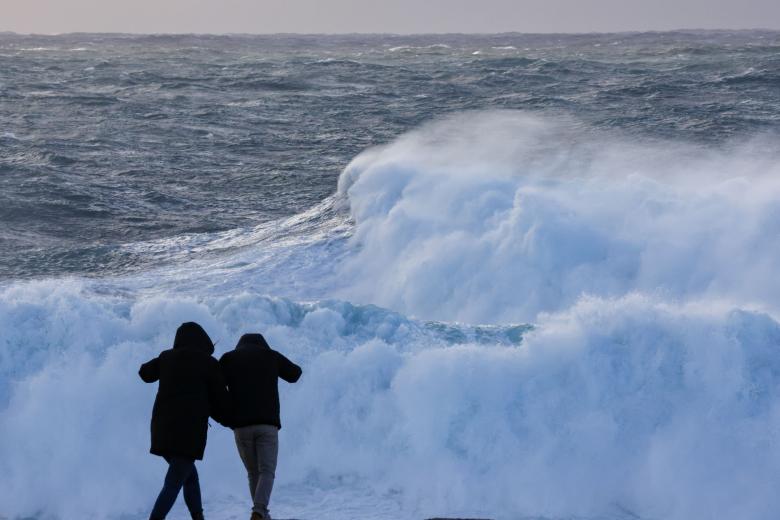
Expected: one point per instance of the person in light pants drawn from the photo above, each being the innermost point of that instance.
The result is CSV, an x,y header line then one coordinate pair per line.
x,y
252,371
258,446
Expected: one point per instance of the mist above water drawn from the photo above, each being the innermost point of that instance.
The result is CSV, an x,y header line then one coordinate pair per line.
x,y
496,217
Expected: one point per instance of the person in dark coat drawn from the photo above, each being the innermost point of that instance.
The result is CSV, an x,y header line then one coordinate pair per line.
x,y
191,388
252,371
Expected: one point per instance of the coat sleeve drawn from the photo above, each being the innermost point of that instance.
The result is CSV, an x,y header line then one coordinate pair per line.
x,y
220,405
288,370
150,371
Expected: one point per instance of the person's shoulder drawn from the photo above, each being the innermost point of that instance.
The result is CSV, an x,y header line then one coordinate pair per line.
x,y
280,358
204,360
166,353
227,356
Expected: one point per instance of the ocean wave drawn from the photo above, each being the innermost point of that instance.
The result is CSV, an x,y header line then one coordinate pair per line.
x,y
500,216
434,47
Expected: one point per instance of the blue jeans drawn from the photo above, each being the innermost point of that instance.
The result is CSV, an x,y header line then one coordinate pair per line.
x,y
181,473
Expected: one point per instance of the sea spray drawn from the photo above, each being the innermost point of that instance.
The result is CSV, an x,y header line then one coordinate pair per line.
x,y
497,216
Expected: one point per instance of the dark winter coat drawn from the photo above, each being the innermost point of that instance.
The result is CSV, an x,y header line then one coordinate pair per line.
x,y
191,389
251,372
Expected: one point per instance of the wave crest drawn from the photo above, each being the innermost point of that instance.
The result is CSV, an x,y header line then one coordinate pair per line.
x,y
495,217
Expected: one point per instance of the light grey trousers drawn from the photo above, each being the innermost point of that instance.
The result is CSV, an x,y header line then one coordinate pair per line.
x,y
258,447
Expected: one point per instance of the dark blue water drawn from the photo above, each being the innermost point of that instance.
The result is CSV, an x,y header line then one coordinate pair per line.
x,y
109,139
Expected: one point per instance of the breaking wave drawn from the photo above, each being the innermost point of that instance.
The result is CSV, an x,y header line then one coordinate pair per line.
x,y
495,217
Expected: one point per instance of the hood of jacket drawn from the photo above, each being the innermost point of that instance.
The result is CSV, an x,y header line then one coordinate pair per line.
x,y
191,335
253,340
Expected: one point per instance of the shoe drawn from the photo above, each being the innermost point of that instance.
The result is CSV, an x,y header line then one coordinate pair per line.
x,y
197,516
256,516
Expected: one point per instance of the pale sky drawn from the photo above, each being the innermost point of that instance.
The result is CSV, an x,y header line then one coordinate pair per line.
x,y
393,16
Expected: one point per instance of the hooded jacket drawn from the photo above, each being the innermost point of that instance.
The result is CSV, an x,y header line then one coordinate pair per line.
x,y
252,371
191,389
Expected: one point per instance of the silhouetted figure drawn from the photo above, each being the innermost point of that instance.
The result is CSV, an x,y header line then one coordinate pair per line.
x,y
251,372
191,389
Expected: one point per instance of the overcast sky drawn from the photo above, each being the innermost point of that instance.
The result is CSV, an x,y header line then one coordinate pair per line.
x,y
396,16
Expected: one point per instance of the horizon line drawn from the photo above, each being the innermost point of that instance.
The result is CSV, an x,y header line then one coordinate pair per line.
x,y
396,34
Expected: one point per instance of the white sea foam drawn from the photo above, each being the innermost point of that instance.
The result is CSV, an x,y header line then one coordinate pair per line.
x,y
666,410
497,217
420,48
648,384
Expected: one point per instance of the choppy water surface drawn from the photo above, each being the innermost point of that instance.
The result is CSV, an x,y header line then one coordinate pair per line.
x,y
107,140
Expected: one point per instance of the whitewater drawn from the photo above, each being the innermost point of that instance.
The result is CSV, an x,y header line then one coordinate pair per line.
x,y
500,313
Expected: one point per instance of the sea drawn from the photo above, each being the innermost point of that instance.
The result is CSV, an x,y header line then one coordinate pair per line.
x,y
527,276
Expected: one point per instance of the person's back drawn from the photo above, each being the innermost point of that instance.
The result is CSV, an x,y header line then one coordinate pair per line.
x,y
252,371
184,376
191,389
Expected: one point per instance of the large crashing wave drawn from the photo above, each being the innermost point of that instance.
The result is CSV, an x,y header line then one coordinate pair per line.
x,y
647,384
496,217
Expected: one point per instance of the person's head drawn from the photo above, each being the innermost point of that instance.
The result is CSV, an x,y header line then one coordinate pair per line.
x,y
192,335
253,339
